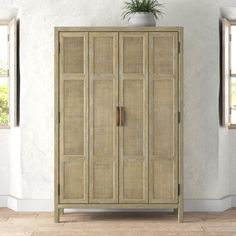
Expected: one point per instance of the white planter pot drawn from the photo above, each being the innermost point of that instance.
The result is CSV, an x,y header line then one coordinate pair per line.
x,y
142,19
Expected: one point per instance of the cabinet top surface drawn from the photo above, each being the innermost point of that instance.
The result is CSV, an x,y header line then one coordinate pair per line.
x,y
119,28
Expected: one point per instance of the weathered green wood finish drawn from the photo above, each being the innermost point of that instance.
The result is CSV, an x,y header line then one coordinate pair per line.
x,y
133,135
103,138
98,69
73,107
163,117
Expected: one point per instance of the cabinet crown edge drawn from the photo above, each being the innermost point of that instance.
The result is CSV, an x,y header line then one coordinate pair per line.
x,y
120,29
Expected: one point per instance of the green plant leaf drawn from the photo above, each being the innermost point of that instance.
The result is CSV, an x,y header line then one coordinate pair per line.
x,y
150,6
3,104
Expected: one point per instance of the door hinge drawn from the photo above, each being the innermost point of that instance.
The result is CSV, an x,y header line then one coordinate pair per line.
x,y
59,47
230,72
58,189
179,118
230,37
8,37
59,117
178,47
178,189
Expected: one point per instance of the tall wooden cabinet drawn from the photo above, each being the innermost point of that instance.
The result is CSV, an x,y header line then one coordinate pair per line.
x,y
118,118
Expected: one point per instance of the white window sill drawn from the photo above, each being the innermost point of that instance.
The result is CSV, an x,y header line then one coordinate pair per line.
x,y
5,126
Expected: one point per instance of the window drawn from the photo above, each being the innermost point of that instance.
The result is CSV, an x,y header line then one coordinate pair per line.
x,y
229,73
233,74
4,75
8,83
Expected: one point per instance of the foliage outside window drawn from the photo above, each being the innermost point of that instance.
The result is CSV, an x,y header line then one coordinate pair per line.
x,y
4,75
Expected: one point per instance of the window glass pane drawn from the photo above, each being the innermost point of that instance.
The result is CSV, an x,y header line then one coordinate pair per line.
x,y
3,75
3,50
233,49
233,100
3,101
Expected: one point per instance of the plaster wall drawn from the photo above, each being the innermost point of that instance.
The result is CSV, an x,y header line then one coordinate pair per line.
x,y
232,151
207,171
4,161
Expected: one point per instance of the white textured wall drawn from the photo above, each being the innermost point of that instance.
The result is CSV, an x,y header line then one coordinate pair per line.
x,y
232,144
15,173
4,161
206,168
224,163
10,162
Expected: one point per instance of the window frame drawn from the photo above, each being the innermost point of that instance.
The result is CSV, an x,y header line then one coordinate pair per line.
x,y
226,73
6,126
12,73
231,75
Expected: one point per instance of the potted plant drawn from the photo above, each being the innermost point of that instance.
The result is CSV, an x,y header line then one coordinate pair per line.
x,y
142,12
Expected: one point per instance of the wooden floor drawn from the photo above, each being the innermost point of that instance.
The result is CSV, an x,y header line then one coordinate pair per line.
x,y
117,224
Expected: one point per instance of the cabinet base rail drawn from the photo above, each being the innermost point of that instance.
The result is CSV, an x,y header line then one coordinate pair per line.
x,y
176,207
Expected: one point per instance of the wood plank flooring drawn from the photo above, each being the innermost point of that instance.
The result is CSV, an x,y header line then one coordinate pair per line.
x,y
117,224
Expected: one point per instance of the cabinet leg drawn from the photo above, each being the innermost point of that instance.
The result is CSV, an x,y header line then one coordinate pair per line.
x,y
57,215
61,211
175,211
180,214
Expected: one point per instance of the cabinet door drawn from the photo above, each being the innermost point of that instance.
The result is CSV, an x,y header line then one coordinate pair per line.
x,y
163,117
133,135
73,72
103,145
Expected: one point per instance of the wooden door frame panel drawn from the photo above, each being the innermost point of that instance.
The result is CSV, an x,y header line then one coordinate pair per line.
x,y
144,78
62,77
157,77
114,78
